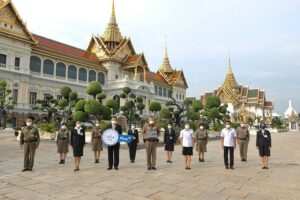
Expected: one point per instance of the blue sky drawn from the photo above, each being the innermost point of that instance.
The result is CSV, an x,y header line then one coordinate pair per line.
x,y
264,37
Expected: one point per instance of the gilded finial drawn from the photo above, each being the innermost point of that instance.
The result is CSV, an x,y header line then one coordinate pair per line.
x,y
113,9
229,63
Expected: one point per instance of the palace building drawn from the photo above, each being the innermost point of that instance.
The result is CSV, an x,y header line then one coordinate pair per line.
x,y
34,66
243,102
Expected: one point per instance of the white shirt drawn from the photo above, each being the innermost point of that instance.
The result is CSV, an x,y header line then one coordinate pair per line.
x,y
228,135
187,137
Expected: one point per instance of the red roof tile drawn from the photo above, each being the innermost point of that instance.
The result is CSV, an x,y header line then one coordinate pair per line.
x,y
72,51
132,59
156,76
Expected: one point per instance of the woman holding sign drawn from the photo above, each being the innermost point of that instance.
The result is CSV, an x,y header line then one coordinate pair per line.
x,y
133,144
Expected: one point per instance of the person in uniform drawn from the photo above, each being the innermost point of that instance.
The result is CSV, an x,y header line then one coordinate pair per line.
x,y
187,140
77,143
113,151
62,142
29,141
263,144
228,143
133,144
169,141
150,135
243,138
96,141
201,136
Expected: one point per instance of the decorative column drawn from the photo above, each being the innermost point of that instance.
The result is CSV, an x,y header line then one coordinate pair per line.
x,y
135,72
145,78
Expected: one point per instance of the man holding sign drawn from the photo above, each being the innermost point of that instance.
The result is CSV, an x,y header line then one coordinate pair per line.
x,y
113,150
150,135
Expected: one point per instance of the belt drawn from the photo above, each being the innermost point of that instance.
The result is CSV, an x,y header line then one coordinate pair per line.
x,y
243,138
151,140
201,139
63,139
30,141
97,137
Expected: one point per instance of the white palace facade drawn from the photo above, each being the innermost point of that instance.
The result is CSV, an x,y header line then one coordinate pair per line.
x,y
34,66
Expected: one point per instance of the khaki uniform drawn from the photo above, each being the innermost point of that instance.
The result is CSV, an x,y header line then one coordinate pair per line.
x,y
30,138
97,139
243,137
201,136
63,141
151,143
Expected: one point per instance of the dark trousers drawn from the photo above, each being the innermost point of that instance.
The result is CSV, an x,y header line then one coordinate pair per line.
x,y
231,150
113,155
132,150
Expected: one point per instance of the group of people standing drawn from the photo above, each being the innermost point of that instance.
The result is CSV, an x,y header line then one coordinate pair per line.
x,y
30,139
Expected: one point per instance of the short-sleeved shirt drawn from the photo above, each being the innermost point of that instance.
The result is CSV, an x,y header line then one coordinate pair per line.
x,y
228,135
187,137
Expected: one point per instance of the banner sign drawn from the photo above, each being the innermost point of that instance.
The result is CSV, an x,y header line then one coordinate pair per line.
x,y
111,137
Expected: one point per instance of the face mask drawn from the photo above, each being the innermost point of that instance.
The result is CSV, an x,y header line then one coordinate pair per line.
x,y
63,127
242,125
169,127
263,126
28,123
113,122
97,125
78,125
187,127
151,122
201,127
132,126
228,126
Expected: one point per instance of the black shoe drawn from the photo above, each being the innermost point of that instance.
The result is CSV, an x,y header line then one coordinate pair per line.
x,y
149,168
63,162
226,167
231,167
60,162
24,170
154,168
167,161
170,161
110,168
116,168
263,167
266,167
200,160
203,160
30,170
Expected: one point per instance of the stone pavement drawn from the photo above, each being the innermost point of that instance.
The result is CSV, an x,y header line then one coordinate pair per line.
x,y
207,180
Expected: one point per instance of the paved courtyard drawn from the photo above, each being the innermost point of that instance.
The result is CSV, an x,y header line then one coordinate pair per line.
x,y
207,180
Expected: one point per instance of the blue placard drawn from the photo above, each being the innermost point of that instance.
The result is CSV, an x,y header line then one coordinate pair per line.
x,y
125,138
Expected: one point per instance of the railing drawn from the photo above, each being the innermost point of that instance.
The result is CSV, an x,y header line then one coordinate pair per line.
x,y
14,68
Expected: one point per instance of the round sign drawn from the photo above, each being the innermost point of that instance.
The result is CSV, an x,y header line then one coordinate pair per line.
x,y
110,137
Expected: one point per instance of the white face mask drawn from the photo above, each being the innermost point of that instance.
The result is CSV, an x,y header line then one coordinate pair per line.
x,y
113,122
151,122
169,127
228,126
201,127
97,125
187,127
132,126
242,125
28,123
63,127
78,125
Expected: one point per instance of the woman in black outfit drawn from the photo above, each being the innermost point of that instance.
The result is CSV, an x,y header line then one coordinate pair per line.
x,y
263,144
169,140
77,143
133,144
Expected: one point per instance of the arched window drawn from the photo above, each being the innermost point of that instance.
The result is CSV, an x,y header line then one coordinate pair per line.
x,y
101,78
92,76
155,89
165,92
160,91
61,69
35,64
82,74
48,67
72,72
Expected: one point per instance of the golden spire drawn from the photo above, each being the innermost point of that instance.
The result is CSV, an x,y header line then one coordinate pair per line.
x,y
166,66
112,32
230,79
